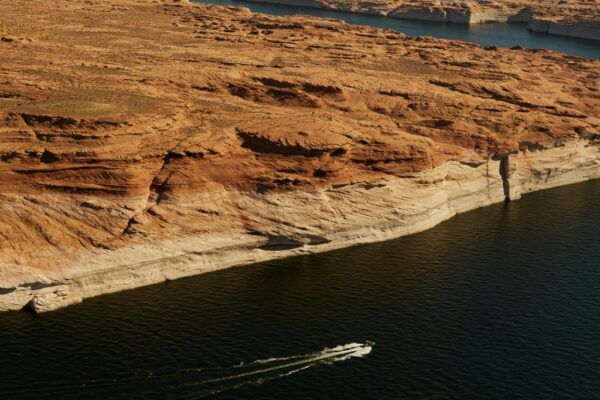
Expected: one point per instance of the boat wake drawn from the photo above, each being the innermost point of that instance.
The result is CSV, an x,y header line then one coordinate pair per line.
x,y
200,382
260,371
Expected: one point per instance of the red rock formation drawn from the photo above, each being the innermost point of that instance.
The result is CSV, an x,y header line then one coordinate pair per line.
x,y
199,129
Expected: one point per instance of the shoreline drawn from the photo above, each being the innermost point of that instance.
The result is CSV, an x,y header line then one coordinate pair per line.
x,y
589,30
435,196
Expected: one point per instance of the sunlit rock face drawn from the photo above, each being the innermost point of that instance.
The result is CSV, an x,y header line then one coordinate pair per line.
x,y
202,137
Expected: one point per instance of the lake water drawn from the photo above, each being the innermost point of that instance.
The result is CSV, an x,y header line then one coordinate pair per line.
x,y
498,303
497,34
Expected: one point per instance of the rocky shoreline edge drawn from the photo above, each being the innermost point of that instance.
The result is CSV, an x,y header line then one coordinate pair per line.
x,y
394,208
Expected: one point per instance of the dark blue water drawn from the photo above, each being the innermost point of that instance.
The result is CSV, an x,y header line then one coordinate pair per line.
x,y
497,34
498,303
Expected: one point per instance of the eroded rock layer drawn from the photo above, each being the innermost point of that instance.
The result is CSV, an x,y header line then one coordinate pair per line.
x,y
144,141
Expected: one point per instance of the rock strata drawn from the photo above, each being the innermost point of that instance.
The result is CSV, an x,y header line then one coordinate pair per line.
x,y
203,137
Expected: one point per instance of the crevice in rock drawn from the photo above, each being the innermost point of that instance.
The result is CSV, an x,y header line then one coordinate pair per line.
x,y
280,242
262,144
49,157
321,89
4,291
275,83
505,174
319,173
129,227
156,189
160,189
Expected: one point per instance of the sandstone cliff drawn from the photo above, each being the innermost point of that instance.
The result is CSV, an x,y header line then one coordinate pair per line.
x,y
576,18
145,141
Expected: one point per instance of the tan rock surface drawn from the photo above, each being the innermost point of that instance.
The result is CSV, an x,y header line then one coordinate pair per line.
x,y
143,141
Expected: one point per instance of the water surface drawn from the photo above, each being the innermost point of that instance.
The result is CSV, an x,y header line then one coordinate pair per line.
x,y
496,34
498,303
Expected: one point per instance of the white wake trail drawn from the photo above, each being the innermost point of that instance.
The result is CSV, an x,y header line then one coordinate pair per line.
x,y
260,371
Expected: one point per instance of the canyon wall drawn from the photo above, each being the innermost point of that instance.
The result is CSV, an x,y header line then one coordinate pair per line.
x,y
311,221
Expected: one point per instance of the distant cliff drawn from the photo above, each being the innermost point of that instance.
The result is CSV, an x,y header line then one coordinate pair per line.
x,y
202,137
575,18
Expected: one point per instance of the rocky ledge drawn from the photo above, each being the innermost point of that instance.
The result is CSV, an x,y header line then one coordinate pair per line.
x,y
575,18
203,137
